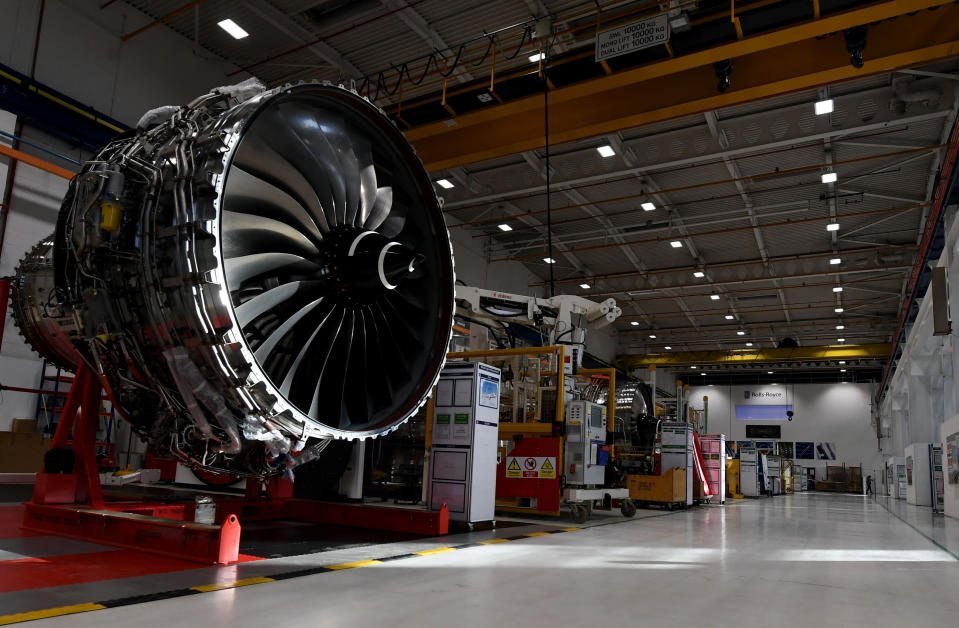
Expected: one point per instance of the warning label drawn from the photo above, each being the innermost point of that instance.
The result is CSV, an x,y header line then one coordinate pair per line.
x,y
532,467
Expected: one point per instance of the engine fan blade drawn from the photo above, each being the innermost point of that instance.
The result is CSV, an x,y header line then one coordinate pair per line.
x,y
265,349
244,234
381,208
264,302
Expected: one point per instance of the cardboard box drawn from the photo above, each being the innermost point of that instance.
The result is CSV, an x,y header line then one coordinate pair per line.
x,y
669,487
22,453
24,426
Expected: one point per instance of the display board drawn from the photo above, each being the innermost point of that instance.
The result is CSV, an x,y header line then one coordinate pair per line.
x,y
763,431
825,451
805,450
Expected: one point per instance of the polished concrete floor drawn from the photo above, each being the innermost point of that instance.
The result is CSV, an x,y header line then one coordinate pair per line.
x,y
808,559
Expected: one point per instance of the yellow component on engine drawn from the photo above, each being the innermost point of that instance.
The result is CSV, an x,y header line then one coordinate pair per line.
x,y
110,216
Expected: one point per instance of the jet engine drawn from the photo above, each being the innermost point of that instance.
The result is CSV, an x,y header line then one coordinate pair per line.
x,y
251,276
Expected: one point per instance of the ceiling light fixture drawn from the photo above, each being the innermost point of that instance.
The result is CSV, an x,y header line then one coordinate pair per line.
x,y
714,297
606,151
838,310
842,361
729,317
233,29
584,286
536,58
504,227
842,370
769,372
634,323
840,326
835,260
833,226
840,339
667,347
549,260
652,336
444,183
749,344
676,244
837,289
830,177
823,107
694,367
699,274
740,333
648,207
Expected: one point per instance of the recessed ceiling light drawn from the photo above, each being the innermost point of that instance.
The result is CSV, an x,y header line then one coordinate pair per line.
x,y
833,226
714,297
740,333
652,335
749,344
838,310
729,317
233,29
840,340
634,323
830,177
842,361
648,207
504,227
823,107
840,326
842,370
667,347
835,260
676,244
703,373
549,260
699,274
837,289
694,367
444,183
536,58
606,151
769,372
584,286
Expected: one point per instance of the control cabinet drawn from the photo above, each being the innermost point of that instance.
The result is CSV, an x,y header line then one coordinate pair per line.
x,y
586,451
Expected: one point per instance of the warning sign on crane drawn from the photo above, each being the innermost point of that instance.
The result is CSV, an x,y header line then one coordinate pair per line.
x,y
531,468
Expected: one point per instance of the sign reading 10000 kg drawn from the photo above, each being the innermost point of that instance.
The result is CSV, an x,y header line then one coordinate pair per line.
x,y
631,37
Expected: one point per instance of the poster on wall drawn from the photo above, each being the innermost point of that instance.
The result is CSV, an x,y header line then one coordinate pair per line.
x,y
805,451
762,403
767,447
909,470
786,450
825,451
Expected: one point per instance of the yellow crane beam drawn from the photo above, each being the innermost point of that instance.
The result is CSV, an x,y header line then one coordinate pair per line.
x,y
795,58
756,356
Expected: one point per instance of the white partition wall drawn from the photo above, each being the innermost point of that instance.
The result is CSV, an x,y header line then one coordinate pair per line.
x,y
950,465
917,475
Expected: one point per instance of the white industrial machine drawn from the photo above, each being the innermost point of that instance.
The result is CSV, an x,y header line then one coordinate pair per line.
x,y
464,438
749,471
586,451
678,452
774,465
565,317
937,479
918,492
896,476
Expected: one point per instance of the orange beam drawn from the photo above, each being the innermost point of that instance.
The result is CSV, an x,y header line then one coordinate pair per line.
x,y
35,162
784,61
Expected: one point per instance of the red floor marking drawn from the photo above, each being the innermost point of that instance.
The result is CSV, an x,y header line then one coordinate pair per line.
x,y
55,571
10,519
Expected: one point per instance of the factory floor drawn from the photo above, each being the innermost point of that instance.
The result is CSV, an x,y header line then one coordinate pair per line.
x,y
806,559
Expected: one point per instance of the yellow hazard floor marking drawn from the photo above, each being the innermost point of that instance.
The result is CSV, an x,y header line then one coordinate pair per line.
x,y
438,550
571,529
50,612
493,541
231,585
361,563
537,534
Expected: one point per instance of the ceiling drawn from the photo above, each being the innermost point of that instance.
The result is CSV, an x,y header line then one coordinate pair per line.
x,y
736,193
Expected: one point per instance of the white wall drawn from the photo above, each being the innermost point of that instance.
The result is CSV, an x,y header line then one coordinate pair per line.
x,y
836,413
80,54
950,491
918,493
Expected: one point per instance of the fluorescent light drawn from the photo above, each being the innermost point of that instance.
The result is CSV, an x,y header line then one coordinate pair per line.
x,y
840,340
504,227
842,370
584,286
233,29
606,151
740,333
823,107
549,260
769,372
536,58
653,336
667,347
699,274
694,367
714,297
840,326
833,226
445,184
842,361
703,373
829,177
835,260
729,317
837,289
634,323
838,310
749,344
676,244
648,207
